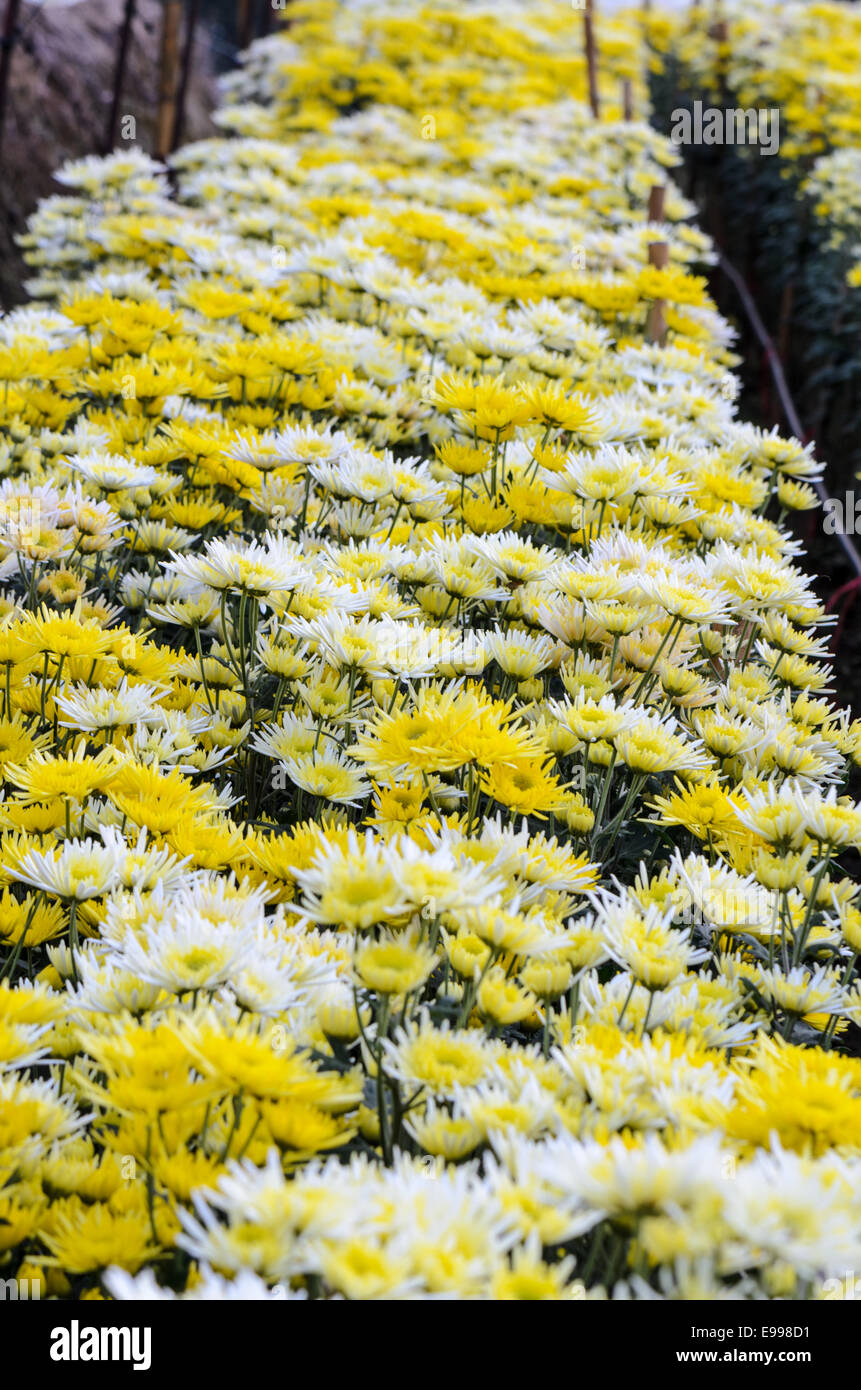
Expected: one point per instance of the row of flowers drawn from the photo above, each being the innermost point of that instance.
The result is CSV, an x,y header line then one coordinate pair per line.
x,y
783,80
424,830
802,60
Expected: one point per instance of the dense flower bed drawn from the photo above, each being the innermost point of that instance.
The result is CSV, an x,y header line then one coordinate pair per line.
x,y
424,832
804,61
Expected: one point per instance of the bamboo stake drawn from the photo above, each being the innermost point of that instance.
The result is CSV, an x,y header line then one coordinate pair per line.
x,y
720,33
119,75
185,71
591,58
168,64
656,327
7,43
627,99
720,29
245,23
656,202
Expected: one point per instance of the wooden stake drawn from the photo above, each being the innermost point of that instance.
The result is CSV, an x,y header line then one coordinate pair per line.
x,y
719,31
119,75
244,23
656,203
185,71
591,58
627,99
7,43
168,65
656,327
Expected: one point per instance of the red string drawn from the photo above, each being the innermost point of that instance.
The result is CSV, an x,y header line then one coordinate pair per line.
x,y
853,584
